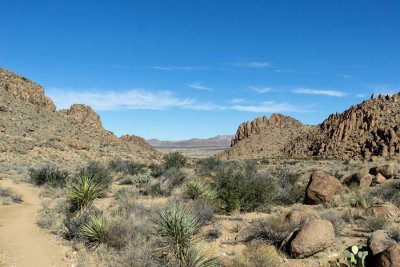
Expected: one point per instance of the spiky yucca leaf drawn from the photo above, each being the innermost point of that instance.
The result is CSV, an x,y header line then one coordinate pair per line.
x,y
195,189
96,230
199,257
83,192
178,224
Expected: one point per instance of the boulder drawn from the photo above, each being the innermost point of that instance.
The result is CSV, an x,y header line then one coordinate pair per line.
x,y
362,179
379,241
379,179
297,216
385,209
386,170
314,237
389,258
321,188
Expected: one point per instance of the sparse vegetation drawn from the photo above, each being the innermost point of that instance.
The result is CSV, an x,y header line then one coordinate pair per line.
x,y
49,175
8,196
375,223
97,173
174,160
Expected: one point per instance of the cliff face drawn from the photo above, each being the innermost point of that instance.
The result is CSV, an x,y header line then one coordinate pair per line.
x,y
32,132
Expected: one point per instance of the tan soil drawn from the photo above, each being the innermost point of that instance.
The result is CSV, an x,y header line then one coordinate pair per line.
x,y
22,242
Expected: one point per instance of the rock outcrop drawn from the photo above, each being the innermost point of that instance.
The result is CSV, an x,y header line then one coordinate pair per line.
x,y
321,188
314,237
263,137
32,132
390,257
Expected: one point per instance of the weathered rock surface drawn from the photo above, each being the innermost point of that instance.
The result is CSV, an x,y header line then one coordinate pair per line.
x,y
390,257
321,188
379,241
362,179
367,130
33,133
314,237
384,209
297,216
263,137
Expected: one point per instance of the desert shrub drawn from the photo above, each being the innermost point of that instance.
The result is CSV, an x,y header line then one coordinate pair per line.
x,y
203,211
83,192
336,218
52,218
74,222
259,256
156,170
375,223
177,224
208,165
95,231
48,175
213,234
237,190
96,172
361,199
8,196
272,230
174,160
388,192
163,186
198,189
288,188
126,166
394,233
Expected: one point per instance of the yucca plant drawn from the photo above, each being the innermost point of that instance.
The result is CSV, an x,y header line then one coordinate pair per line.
x,y
96,230
83,192
196,189
199,257
177,224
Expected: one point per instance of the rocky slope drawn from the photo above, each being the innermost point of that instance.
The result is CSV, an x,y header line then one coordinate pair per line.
x,y
263,137
369,129
33,132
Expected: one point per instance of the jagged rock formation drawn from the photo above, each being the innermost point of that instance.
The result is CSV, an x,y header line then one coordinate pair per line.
x,y
371,128
32,131
263,137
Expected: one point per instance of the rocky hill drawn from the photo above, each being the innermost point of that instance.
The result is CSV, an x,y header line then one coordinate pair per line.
x,y
32,131
263,137
369,129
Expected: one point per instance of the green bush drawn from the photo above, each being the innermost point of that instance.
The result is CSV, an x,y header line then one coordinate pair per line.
x,y
157,170
126,166
238,191
208,165
289,189
83,192
376,223
74,222
174,160
388,192
96,172
48,175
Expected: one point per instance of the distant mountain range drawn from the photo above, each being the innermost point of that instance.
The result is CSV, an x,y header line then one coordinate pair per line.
x,y
222,141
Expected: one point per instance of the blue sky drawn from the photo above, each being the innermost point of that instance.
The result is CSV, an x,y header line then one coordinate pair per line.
x,y
174,69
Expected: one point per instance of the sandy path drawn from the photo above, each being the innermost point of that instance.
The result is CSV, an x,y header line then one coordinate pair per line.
x,y
22,242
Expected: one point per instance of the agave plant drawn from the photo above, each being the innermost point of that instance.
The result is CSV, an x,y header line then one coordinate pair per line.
x,y
96,230
195,189
83,192
177,224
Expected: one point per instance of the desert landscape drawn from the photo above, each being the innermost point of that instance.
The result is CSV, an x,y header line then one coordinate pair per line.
x,y
118,143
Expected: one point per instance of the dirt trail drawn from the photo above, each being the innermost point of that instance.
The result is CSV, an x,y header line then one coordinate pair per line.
x,y
22,242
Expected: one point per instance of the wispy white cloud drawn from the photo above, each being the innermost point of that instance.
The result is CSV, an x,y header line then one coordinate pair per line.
x,y
261,90
117,100
141,99
199,86
269,107
236,100
179,68
251,65
319,92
